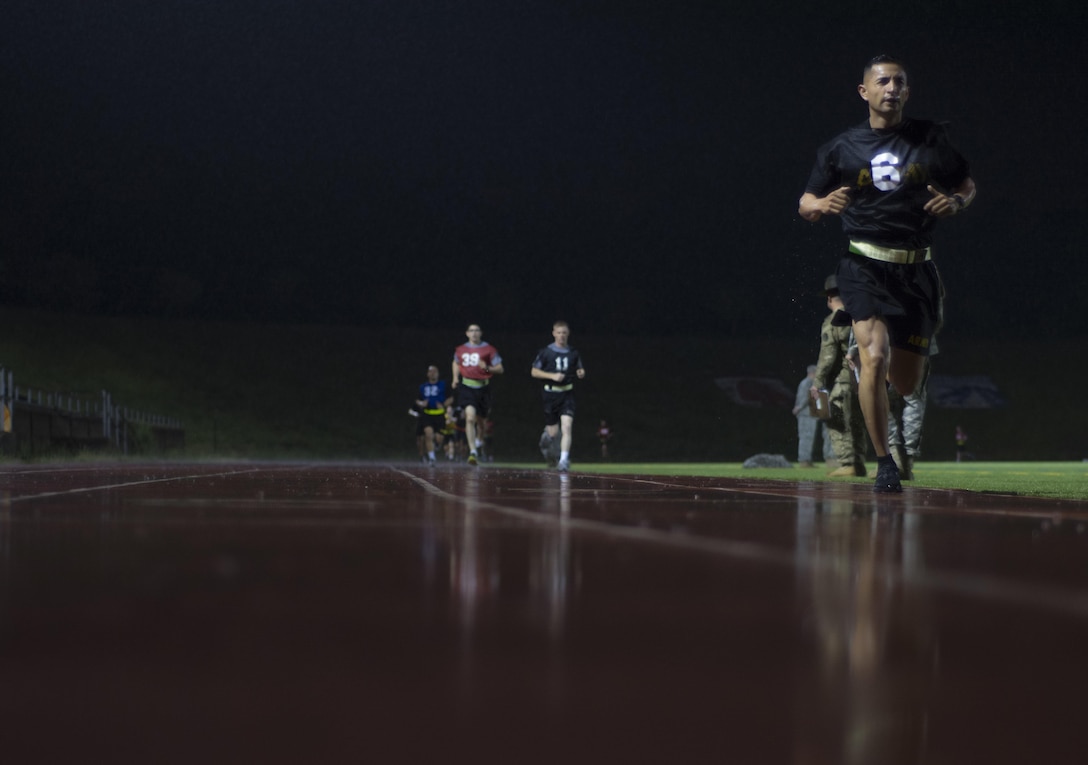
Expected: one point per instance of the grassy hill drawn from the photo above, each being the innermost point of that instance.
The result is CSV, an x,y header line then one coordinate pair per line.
x,y
288,391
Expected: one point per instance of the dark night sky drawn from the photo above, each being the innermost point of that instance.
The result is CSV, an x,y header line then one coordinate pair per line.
x,y
631,166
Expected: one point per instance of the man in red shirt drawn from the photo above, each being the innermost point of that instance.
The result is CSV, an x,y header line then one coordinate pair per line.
x,y
474,363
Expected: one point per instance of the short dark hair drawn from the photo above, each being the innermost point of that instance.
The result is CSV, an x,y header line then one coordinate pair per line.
x,y
883,58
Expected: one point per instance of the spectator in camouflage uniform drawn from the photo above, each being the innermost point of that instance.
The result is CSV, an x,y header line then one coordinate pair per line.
x,y
834,374
905,415
808,424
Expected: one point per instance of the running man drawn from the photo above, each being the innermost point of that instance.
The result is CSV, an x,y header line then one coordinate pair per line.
x,y
889,179
474,364
432,406
558,365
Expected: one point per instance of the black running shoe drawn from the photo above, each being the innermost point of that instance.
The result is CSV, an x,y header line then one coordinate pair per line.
x,y
887,479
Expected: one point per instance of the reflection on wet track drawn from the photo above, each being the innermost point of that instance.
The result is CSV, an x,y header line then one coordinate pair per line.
x,y
334,612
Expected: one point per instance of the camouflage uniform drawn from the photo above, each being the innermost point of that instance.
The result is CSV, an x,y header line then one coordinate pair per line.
x,y
833,373
905,414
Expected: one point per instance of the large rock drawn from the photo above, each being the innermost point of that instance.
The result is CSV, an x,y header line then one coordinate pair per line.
x,y
767,461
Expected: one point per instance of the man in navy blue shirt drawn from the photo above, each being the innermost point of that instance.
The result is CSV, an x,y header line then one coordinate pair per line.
x,y
431,405
559,366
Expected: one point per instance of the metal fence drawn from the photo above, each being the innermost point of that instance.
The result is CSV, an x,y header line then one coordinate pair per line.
x,y
35,422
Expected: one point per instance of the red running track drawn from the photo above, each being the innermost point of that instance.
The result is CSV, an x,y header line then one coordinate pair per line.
x,y
267,613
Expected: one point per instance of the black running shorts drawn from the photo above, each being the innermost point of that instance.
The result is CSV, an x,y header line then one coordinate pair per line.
x,y
480,398
556,404
906,296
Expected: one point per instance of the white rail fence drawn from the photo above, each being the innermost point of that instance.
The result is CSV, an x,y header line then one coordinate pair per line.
x,y
36,421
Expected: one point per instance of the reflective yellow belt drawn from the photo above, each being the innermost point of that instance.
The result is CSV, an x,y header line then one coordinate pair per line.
x,y
889,255
558,388
473,383
434,411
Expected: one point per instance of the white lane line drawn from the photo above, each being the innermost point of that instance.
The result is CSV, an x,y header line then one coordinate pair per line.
x,y
640,533
144,482
973,586
783,493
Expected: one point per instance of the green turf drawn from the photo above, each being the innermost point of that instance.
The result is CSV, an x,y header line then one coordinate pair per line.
x,y
287,391
1063,480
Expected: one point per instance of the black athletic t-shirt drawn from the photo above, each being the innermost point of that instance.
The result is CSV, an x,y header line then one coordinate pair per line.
x,y
556,359
888,171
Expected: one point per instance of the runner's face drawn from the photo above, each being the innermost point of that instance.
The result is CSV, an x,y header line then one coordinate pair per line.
x,y
561,335
432,374
474,334
886,90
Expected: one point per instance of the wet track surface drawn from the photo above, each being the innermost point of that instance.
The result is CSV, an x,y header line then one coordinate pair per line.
x,y
349,613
